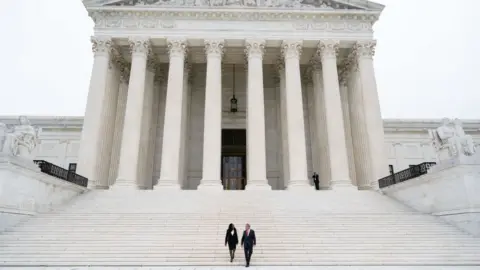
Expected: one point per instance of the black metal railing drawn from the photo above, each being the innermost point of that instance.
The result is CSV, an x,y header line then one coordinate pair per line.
x,y
59,172
407,174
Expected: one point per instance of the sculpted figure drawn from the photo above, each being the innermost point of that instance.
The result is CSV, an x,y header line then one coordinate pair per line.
x,y
21,140
466,142
450,140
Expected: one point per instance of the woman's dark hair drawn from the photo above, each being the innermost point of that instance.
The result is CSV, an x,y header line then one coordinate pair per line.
x,y
231,227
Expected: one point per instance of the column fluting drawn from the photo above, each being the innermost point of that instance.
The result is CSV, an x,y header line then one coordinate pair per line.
x,y
131,135
337,148
283,122
172,128
297,154
256,148
212,134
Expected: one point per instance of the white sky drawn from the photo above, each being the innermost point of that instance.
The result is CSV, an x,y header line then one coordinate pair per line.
x,y
426,61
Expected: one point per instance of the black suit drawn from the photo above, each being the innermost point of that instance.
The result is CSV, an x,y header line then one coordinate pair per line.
x,y
248,241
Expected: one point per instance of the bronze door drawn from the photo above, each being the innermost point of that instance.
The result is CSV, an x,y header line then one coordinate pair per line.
x,y
233,172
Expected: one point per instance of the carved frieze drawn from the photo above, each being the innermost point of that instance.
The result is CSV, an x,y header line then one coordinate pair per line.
x,y
296,4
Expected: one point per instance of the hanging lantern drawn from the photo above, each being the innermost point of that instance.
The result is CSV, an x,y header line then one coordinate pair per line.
x,y
233,104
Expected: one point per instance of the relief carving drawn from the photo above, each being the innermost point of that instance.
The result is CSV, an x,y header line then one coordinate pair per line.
x,y
19,140
319,4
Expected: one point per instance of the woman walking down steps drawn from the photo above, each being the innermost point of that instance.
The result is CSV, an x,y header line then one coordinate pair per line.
x,y
232,239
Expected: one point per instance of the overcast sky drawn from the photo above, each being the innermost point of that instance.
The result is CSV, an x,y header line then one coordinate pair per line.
x,y
426,62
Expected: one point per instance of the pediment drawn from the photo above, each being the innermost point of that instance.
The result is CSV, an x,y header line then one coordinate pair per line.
x,y
292,4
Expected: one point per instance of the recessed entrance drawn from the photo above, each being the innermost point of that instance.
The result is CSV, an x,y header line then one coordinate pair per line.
x,y
234,159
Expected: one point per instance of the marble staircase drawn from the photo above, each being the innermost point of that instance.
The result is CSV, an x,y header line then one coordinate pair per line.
x,y
187,228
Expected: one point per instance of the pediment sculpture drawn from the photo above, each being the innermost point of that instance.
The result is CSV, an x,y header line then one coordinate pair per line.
x,y
450,141
319,4
19,140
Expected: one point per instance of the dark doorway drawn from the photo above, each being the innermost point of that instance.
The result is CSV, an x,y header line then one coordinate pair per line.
x,y
234,159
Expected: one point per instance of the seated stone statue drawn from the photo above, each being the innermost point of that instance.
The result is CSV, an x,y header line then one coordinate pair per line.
x,y
20,140
450,140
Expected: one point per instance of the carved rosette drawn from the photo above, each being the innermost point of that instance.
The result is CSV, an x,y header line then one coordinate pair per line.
x,y
101,45
140,46
254,48
291,49
177,47
328,49
214,47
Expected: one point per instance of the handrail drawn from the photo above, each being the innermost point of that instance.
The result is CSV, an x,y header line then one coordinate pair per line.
x,y
407,174
61,173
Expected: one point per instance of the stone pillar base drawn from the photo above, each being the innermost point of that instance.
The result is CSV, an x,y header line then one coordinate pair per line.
x,y
300,187
122,184
343,185
258,186
210,186
167,186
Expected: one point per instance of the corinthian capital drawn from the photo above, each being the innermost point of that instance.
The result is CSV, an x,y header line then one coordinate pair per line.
x,y
280,65
316,64
214,47
364,49
101,44
328,49
177,47
292,49
140,45
254,48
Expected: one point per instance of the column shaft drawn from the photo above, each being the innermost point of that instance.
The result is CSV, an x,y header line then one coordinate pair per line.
x,y
283,123
212,134
360,133
183,169
256,147
346,121
172,130
145,175
297,153
119,119
132,128
97,115
324,174
337,147
153,129
364,52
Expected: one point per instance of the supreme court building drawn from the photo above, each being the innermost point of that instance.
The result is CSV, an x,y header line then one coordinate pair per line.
x,y
232,94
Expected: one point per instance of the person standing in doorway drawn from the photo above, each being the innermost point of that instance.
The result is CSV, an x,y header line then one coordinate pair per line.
x,y
316,181
248,241
232,240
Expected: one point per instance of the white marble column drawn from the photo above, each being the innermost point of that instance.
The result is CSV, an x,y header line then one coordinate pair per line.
x,y
360,133
324,174
172,128
297,153
132,129
344,74
183,169
145,175
364,52
337,147
119,119
96,139
152,138
283,123
212,134
256,147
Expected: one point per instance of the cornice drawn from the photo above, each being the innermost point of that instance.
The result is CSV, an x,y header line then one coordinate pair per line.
x,y
231,14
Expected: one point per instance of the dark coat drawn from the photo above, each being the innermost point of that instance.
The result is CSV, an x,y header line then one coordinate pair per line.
x,y
250,240
231,240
